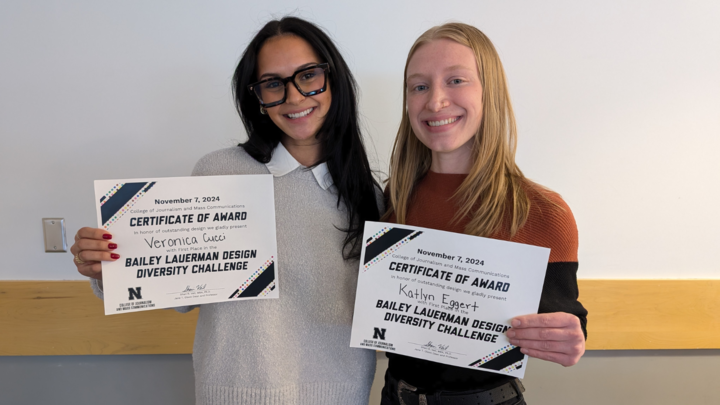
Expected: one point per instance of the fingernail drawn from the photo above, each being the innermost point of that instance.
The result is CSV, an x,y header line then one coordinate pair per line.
x,y
107,236
514,341
114,255
523,351
515,323
112,245
511,333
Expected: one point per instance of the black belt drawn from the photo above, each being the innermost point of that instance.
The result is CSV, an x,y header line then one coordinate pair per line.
x,y
408,395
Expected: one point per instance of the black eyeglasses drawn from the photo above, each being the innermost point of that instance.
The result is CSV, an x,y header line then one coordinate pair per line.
x,y
308,81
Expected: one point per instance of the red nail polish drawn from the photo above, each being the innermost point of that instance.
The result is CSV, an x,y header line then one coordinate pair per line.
x,y
112,245
107,236
114,255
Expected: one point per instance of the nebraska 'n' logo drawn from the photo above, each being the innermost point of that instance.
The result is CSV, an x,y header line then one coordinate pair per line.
x,y
135,293
379,334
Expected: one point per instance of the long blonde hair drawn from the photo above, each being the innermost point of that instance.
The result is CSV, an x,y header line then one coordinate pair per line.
x,y
492,194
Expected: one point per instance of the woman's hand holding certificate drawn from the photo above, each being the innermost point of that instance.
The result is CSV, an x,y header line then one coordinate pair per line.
x,y
93,245
555,337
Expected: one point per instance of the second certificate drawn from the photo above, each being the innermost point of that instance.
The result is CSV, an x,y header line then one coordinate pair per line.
x,y
445,297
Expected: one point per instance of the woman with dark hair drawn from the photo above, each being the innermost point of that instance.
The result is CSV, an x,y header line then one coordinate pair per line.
x,y
453,169
297,100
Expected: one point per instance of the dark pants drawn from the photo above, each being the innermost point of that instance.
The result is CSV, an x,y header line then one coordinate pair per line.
x,y
390,395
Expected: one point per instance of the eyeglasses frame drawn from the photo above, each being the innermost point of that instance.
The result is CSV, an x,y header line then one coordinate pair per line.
x,y
324,66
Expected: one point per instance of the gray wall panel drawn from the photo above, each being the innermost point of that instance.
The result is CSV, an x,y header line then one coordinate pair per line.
x,y
107,380
613,377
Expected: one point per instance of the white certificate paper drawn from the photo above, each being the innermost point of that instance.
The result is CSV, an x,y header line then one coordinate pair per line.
x,y
188,240
445,297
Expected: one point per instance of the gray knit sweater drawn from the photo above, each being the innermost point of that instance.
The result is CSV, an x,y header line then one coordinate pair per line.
x,y
295,349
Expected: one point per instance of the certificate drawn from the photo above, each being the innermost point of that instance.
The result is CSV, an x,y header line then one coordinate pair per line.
x,y
188,240
445,297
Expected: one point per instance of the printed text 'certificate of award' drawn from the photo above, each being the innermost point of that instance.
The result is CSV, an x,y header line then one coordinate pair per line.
x,y
188,240
445,297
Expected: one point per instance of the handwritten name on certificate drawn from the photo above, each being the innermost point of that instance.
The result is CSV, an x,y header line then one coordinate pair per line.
x,y
445,297
188,240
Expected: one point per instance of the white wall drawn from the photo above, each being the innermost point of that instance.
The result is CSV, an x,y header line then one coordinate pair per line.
x,y
617,102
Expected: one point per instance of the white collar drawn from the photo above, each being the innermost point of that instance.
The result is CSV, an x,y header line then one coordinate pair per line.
x,y
282,163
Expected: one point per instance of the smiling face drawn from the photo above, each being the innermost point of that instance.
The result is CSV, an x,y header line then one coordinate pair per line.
x,y
299,117
444,102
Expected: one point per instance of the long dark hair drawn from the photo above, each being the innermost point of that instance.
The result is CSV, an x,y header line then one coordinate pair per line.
x,y
341,145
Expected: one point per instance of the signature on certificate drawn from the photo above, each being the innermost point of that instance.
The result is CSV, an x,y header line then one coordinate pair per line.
x,y
199,287
430,345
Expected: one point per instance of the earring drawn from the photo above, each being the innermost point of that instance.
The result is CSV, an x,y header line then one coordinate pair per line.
x,y
262,110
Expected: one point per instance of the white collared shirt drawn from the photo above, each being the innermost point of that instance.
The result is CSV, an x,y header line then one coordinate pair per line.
x,y
282,163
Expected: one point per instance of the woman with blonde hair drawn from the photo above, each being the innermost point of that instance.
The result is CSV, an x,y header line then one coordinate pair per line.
x,y
453,169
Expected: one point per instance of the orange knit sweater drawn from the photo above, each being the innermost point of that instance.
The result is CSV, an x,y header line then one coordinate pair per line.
x,y
550,222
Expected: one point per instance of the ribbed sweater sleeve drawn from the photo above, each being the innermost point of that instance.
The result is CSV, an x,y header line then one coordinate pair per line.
x,y
560,292
551,224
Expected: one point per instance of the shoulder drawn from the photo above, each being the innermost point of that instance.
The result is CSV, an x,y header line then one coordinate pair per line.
x,y
551,223
228,161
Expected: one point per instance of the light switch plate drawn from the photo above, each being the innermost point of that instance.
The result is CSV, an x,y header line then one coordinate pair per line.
x,y
54,232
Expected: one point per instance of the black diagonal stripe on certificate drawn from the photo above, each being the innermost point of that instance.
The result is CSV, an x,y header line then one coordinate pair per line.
x,y
384,242
502,361
260,283
148,187
119,199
